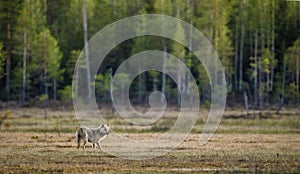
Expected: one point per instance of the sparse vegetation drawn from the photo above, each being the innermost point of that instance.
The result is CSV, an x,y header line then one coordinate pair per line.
x,y
242,144
5,117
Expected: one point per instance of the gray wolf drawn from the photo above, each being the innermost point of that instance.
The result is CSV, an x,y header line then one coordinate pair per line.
x,y
92,135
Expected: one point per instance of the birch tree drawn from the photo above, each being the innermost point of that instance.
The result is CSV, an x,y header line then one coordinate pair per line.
x,y
242,23
86,51
163,7
179,51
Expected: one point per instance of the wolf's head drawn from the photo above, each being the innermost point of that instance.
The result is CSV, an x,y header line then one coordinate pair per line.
x,y
104,129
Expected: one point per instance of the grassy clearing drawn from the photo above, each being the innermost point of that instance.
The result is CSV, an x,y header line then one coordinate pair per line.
x,y
33,143
35,152
60,121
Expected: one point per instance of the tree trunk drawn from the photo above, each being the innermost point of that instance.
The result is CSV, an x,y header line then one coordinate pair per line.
x,y
189,63
140,77
54,89
179,84
255,69
241,55
113,8
23,93
163,86
246,102
268,88
45,83
110,91
183,78
260,89
86,51
154,85
8,59
281,97
273,46
45,77
269,44
140,82
262,52
236,45
297,72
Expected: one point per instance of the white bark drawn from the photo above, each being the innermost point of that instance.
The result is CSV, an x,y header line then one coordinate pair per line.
x,y
86,51
246,102
255,68
23,94
241,55
273,45
179,72
163,86
236,57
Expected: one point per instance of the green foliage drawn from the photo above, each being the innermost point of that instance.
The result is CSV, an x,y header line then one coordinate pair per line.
x,y
66,93
29,23
163,7
2,60
43,97
70,64
50,33
121,79
179,35
265,63
203,83
292,94
102,87
292,57
46,55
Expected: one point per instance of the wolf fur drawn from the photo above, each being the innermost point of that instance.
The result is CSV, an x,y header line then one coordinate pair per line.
x,y
92,135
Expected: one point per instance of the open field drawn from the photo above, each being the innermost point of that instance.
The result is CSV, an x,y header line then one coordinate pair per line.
x,y
32,143
32,152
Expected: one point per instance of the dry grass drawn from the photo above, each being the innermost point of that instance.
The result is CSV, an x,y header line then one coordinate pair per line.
x,y
35,152
33,144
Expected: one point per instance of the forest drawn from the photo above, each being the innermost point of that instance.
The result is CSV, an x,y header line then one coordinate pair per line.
x,y
257,41
45,50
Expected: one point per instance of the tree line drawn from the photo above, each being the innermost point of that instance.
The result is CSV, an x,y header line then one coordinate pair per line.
x,y
258,43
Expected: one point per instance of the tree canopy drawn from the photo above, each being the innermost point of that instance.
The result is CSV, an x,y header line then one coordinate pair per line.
x,y
258,43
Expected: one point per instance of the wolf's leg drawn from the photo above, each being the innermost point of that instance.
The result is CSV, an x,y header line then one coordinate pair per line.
x,y
98,144
78,144
84,143
78,141
93,146
78,138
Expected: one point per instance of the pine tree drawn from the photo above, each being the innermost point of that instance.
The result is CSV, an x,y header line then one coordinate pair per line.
x,y
47,58
29,23
8,14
